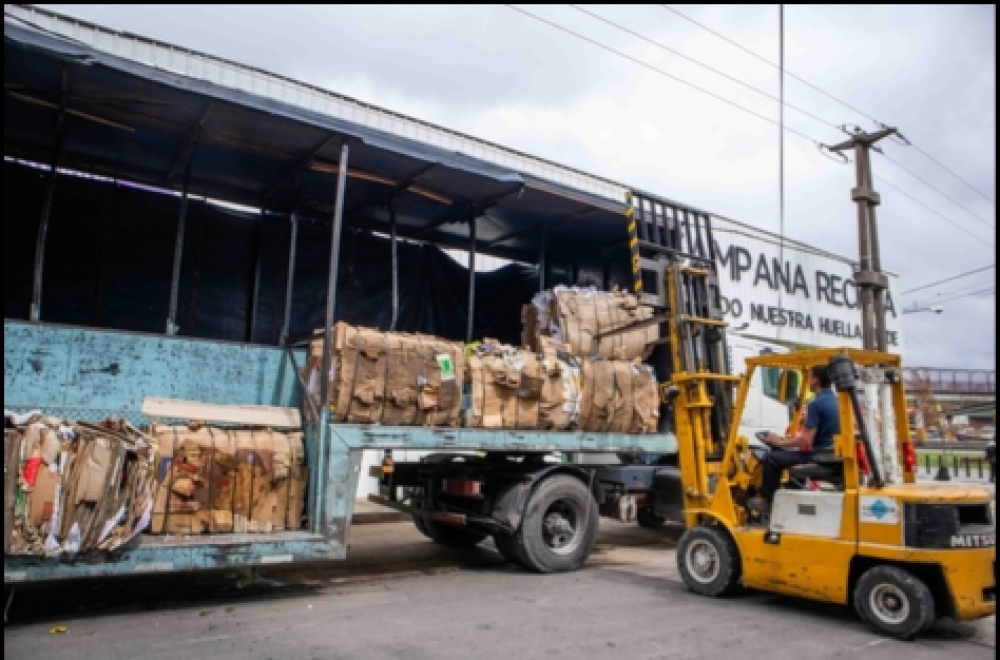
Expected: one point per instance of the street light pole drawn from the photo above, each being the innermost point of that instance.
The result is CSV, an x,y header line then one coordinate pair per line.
x,y
870,280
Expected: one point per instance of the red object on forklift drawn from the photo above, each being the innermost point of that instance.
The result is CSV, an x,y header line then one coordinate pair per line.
x,y
866,469
909,457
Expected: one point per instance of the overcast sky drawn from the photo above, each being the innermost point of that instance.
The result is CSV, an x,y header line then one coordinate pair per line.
x,y
499,75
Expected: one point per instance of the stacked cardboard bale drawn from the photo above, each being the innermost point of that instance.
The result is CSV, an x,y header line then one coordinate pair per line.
x,y
78,487
390,378
224,480
577,317
618,397
514,388
566,377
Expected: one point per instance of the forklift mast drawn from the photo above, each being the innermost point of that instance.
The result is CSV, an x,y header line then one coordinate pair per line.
x,y
674,263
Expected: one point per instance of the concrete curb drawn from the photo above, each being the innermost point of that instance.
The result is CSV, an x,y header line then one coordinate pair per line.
x,y
367,513
371,517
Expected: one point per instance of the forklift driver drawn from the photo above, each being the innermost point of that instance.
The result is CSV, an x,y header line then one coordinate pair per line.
x,y
822,423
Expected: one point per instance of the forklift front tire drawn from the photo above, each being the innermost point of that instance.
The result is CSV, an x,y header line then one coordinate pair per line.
x,y
708,561
894,602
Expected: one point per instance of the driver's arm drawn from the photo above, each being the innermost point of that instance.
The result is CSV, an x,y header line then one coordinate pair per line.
x,y
800,440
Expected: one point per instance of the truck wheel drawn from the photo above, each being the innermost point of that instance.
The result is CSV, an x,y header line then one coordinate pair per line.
x,y
709,561
894,602
647,519
507,547
448,535
559,527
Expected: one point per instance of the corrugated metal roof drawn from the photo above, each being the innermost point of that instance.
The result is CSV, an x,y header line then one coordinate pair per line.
x,y
243,78
256,81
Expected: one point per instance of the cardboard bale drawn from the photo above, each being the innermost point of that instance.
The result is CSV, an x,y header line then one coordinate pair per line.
x,y
82,487
514,388
196,473
576,317
618,397
390,378
216,480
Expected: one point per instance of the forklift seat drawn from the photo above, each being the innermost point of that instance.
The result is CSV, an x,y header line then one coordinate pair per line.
x,y
824,467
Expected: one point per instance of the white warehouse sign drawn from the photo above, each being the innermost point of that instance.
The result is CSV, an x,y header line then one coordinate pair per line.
x,y
796,294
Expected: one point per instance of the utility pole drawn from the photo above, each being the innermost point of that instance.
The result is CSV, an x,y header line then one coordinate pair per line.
x,y
870,280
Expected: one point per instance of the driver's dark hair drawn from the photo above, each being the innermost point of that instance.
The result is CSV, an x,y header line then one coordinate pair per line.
x,y
821,374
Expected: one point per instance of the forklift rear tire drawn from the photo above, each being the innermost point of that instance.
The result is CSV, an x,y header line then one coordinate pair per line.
x,y
559,526
451,536
709,561
894,602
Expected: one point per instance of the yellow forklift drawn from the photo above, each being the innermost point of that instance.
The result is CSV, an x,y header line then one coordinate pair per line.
x,y
851,527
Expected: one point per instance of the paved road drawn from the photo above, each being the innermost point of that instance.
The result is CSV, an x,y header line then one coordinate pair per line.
x,y
402,597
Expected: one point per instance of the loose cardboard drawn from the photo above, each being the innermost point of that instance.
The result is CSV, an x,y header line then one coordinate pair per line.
x,y
161,408
41,500
11,451
92,491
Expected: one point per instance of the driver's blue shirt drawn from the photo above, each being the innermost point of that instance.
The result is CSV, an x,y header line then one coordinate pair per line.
x,y
823,415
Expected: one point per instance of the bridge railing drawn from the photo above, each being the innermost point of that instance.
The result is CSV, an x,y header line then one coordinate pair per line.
x,y
966,381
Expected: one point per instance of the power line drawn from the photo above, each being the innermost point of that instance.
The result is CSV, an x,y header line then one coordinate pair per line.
x,y
659,71
966,289
991,289
929,185
646,65
949,171
768,62
736,80
943,217
826,94
949,279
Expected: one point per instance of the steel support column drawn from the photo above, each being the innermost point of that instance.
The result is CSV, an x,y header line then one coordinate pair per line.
x,y
331,284
543,236
395,265
175,278
50,190
290,280
255,291
472,278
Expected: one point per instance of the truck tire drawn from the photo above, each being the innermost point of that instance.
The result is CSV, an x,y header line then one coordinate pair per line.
x,y
894,602
559,527
649,520
451,536
709,561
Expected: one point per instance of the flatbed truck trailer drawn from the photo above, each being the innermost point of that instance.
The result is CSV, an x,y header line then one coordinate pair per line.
x,y
172,242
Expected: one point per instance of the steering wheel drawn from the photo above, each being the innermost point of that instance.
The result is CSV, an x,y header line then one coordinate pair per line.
x,y
762,436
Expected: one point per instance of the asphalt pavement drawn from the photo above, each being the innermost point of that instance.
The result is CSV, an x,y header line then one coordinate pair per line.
x,y
400,596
